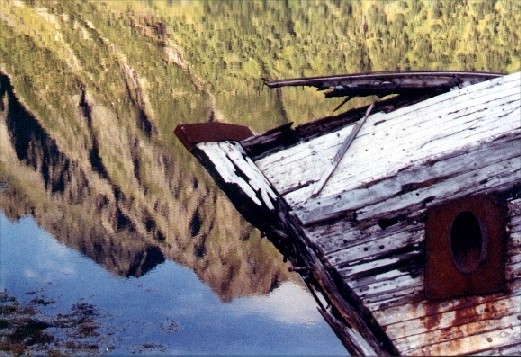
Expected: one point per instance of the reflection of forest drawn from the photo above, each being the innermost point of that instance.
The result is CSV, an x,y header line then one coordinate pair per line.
x,y
79,205
93,157
82,208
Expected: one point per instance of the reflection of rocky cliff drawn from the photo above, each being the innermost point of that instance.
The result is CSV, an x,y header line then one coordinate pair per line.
x,y
75,198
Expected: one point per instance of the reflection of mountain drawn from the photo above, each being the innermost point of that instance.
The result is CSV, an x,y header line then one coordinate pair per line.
x,y
93,157
75,200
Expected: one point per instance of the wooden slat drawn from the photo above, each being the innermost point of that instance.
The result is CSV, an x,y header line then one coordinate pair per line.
x,y
442,315
229,159
387,80
455,176
389,142
513,349
400,315
462,340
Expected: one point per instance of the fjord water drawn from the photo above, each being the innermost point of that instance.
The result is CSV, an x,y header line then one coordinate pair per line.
x,y
106,215
167,311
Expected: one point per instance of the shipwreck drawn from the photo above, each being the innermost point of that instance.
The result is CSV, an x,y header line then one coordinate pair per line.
x,y
402,217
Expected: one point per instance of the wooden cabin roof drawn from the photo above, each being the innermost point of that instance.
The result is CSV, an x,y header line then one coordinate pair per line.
x,y
361,239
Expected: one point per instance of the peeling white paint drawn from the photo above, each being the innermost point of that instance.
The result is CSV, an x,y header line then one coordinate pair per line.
x,y
229,157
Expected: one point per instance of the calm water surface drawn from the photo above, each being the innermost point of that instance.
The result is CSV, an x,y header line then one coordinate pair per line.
x,y
169,310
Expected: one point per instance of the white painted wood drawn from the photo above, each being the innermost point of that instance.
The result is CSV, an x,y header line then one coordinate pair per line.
x,y
501,306
256,180
498,162
340,153
305,161
364,347
229,157
513,349
387,143
408,315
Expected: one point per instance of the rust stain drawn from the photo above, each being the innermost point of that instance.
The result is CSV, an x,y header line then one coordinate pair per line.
x,y
432,315
466,311
471,316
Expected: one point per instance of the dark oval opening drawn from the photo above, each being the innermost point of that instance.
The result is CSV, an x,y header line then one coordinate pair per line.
x,y
467,243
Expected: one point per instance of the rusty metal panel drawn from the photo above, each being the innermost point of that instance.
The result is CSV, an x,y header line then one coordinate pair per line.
x,y
191,134
465,247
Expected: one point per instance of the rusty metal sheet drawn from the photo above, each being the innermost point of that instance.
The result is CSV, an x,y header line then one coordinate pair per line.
x,y
465,247
191,134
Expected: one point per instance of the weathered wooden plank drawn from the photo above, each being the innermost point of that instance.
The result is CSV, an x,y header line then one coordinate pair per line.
x,y
380,298
409,297
363,348
354,271
374,252
345,198
421,326
407,261
369,165
236,168
373,246
239,178
304,161
363,256
342,235
284,137
245,167
385,83
391,284
363,236
340,153
396,297
387,141
438,315
413,322
463,339
513,349
398,315
507,175
360,164
345,244
468,172
384,277
394,315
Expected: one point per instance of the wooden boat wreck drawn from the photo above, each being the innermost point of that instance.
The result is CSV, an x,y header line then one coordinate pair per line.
x,y
410,240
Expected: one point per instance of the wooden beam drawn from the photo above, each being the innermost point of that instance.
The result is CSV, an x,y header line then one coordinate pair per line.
x,y
407,77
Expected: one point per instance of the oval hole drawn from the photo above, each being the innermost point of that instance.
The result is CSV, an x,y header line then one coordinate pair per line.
x,y
467,244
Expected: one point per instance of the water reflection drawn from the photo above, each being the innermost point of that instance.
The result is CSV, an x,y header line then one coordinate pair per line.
x,y
166,311
126,230
161,307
